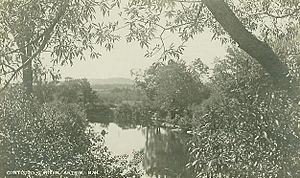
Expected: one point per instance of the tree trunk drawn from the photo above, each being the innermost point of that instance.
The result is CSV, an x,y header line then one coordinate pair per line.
x,y
257,49
27,70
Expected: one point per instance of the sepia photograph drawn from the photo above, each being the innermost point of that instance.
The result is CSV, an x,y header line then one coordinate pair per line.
x,y
150,88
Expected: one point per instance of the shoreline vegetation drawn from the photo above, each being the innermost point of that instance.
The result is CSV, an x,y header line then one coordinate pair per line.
x,y
242,112
223,114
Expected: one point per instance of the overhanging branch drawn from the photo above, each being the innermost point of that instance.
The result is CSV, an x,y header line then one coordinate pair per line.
x,y
257,49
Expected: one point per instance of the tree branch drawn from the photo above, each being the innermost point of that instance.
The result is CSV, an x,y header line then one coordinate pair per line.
x,y
257,49
47,37
10,67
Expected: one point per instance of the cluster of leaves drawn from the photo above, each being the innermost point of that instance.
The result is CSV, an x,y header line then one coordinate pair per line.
x,y
132,164
248,128
52,136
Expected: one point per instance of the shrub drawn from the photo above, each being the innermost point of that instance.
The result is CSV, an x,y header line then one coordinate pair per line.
x,y
53,136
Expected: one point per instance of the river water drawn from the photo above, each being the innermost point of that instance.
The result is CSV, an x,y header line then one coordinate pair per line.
x,y
163,149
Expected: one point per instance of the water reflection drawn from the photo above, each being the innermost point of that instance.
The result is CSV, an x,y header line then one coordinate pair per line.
x,y
164,152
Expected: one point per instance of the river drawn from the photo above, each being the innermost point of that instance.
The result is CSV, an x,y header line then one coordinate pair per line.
x,y
163,149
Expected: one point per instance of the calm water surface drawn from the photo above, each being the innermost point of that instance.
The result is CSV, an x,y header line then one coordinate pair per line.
x,y
164,151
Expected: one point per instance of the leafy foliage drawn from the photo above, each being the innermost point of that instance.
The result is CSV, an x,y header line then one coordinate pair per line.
x,y
271,21
248,128
75,91
54,136
173,87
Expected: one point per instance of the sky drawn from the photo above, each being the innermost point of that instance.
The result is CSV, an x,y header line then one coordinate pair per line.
x,y
127,56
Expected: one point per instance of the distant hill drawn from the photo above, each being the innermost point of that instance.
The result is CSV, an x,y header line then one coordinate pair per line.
x,y
111,81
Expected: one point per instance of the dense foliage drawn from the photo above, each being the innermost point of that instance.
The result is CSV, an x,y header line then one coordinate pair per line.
x,y
52,136
261,28
69,91
74,91
127,103
248,128
172,87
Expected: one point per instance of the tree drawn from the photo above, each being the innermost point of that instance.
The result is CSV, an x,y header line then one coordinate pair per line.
x,y
258,27
72,91
249,127
65,29
173,86
257,49
76,91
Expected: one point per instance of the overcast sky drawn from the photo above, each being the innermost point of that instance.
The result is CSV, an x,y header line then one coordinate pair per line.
x,y
127,56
